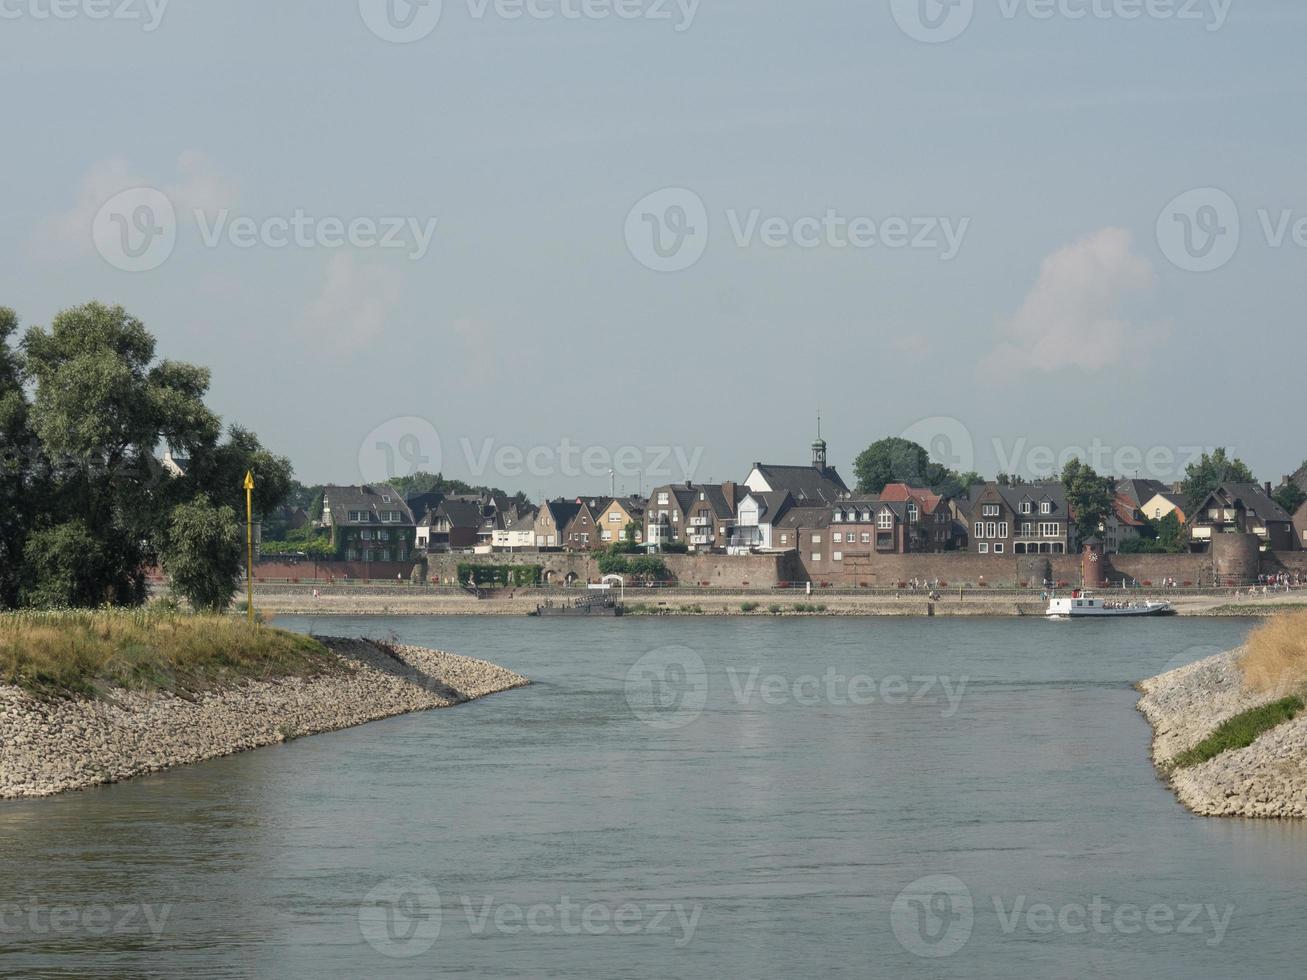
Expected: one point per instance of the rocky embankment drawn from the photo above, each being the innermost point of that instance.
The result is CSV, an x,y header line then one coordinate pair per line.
x,y
47,747
1266,779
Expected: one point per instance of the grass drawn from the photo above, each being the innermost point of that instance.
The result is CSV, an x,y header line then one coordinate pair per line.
x,y
87,654
1275,656
1247,609
1240,731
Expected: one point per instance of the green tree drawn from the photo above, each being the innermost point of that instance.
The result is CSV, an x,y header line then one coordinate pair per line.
x,y
892,460
1209,472
66,566
202,554
1290,496
1171,535
19,459
1088,495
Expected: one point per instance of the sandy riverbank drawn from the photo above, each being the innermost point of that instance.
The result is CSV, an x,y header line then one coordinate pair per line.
x,y
1266,779
48,747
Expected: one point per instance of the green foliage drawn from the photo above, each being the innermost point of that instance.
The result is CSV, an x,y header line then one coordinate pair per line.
x,y
1290,497
1088,495
645,567
1240,731
67,566
676,548
424,482
898,460
1209,472
94,507
203,554
748,607
313,542
502,576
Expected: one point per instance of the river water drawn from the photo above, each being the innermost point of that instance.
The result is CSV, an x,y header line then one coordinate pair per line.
x,y
685,798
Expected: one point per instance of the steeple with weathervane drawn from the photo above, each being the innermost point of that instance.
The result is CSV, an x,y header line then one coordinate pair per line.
x,y
819,448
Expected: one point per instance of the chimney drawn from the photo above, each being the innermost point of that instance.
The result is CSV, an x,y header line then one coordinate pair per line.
x,y
728,491
1268,488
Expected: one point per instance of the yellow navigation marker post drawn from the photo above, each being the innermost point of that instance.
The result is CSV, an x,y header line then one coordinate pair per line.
x,y
249,545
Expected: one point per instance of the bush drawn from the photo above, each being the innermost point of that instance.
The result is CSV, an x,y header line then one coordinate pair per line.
x,y
748,606
676,548
774,609
503,576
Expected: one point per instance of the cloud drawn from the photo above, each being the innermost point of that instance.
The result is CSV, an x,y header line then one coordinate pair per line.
x,y
355,303
195,183
1072,317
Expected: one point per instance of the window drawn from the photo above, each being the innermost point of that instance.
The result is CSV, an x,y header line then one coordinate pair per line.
x,y
1050,530
816,539
885,520
998,548
1045,507
839,517
983,547
662,499
866,537
1026,507
837,556
366,534
913,513
1027,529
991,529
980,529
385,500
991,510
838,537
785,539
608,535
816,556
614,518
1002,529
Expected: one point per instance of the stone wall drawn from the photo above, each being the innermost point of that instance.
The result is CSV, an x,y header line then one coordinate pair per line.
x,y
307,570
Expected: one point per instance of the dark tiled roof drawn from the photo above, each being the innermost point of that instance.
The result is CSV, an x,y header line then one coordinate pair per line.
x,y
805,482
461,512
1139,492
368,498
1254,498
563,511
813,515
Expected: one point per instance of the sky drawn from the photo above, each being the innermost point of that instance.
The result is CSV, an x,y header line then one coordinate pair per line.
x,y
559,246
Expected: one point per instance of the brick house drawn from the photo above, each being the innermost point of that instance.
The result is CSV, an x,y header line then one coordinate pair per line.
x,y
700,515
1241,508
552,521
1029,519
369,523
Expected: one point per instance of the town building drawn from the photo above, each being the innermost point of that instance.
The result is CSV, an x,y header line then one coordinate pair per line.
x,y
1168,502
369,523
552,521
620,514
1026,519
1241,508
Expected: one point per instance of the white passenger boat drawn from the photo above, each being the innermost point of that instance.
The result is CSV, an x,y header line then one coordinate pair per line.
x,y
1087,604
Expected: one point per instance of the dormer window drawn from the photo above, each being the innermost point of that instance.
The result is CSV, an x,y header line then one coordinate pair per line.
x,y
1045,507
1027,507
885,520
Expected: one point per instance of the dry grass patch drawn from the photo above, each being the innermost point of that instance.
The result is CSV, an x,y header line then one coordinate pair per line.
x,y
87,654
1275,658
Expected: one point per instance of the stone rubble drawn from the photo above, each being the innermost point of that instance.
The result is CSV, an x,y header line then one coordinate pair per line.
x,y
1266,779
49,747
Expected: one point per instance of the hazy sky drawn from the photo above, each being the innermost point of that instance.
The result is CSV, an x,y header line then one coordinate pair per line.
x,y
666,232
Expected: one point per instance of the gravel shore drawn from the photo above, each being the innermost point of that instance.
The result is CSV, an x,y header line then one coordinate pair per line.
x,y
49,747
1266,779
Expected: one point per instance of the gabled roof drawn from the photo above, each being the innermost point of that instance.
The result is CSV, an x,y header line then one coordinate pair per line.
x,y
772,504
367,498
1251,496
562,511
804,483
462,513
1139,492
1126,511
806,516
926,497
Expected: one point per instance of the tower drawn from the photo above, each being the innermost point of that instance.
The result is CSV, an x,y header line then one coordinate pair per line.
x,y
819,447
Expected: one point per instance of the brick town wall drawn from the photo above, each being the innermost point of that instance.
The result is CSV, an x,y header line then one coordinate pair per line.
x,y
720,571
307,570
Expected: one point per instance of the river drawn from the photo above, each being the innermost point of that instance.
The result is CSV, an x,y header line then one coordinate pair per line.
x,y
685,797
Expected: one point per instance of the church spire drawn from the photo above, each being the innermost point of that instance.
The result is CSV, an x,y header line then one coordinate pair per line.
x,y
819,447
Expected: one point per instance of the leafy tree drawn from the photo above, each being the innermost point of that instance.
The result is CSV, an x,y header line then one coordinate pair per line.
x,y
892,460
203,554
1209,472
101,508
1171,535
1290,497
67,566
1088,495
19,457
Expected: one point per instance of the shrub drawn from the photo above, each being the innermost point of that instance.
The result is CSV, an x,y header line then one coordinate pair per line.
x,y
774,609
748,606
